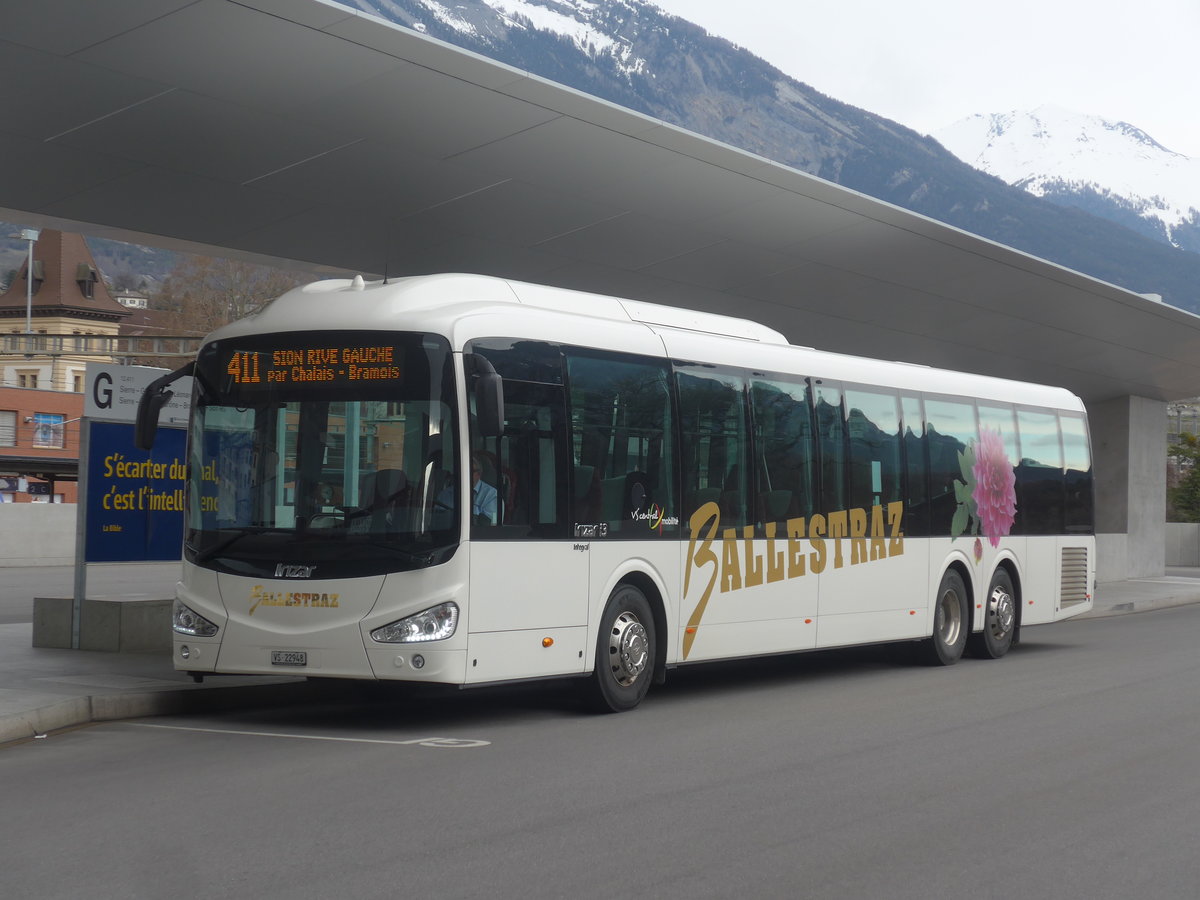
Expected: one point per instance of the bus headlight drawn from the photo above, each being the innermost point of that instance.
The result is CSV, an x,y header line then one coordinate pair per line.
x,y
434,624
187,621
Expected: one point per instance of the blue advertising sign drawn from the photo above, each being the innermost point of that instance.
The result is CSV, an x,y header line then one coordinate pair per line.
x,y
134,498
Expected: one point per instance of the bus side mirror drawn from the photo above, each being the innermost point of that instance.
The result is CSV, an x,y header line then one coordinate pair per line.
x,y
145,428
150,404
489,398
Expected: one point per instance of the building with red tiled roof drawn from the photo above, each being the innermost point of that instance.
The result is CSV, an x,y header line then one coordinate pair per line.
x,y
69,298
40,395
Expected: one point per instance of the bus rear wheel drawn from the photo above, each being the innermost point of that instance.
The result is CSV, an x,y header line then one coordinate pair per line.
x,y
625,652
950,623
999,619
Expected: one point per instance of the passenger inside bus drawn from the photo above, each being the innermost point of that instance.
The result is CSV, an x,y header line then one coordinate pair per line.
x,y
483,495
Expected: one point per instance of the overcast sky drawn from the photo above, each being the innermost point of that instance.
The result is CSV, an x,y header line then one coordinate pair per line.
x,y
928,63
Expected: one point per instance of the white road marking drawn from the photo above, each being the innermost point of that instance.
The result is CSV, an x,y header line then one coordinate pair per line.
x,y
421,742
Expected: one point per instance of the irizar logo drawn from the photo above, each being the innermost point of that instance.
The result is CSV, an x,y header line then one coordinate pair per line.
x,y
282,570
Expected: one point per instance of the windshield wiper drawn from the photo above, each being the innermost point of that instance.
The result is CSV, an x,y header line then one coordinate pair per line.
x,y
244,531
421,559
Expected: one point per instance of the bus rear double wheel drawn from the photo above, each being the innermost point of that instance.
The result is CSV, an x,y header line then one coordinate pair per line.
x,y
999,619
951,623
625,652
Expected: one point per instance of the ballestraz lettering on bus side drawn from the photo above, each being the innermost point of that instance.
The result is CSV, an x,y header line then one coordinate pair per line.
x,y
873,534
260,597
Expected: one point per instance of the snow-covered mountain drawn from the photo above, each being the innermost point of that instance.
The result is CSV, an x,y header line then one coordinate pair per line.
x,y
1111,169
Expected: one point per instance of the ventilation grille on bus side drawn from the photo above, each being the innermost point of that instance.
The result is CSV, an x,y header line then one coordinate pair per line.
x,y
1074,576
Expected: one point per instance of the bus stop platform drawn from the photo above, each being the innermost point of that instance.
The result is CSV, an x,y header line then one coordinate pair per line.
x,y
46,689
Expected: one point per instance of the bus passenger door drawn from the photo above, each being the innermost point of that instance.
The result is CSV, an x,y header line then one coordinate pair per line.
x,y
529,574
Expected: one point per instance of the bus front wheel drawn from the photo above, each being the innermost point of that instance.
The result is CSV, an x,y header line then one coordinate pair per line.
x,y
951,622
624,652
1000,619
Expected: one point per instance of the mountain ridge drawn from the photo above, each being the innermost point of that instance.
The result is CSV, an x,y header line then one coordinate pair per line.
x,y
688,77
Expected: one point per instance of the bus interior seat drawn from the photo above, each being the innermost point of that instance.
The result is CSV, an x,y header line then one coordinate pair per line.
x,y
700,496
586,494
623,495
776,504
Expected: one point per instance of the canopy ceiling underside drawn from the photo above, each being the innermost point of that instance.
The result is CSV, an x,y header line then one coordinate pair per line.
x,y
302,131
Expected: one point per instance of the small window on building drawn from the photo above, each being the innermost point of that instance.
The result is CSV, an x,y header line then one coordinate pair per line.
x,y
27,379
85,277
77,382
8,428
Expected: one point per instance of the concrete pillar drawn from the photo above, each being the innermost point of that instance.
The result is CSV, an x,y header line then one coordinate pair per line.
x,y
1129,449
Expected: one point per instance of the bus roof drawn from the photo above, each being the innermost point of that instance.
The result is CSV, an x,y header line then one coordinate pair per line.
x,y
463,307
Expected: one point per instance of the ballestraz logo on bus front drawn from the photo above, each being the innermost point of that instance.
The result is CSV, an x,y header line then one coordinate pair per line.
x,y
260,597
873,534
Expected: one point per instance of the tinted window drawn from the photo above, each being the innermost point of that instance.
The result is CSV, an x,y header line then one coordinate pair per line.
x,y
1040,474
916,501
1077,459
783,430
714,451
949,431
874,430
831,438
523,360
622,445
522,488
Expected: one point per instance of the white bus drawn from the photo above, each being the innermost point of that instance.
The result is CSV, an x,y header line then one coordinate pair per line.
x,y
466,480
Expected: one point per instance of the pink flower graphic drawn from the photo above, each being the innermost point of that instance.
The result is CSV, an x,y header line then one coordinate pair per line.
x,y
995,493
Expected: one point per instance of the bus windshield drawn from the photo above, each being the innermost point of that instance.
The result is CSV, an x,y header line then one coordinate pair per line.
x,y
324,455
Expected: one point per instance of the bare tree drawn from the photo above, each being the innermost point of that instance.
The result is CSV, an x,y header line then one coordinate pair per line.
x,y
203,292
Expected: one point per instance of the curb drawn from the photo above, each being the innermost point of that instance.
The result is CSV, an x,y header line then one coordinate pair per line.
x,y
1140,606
77,711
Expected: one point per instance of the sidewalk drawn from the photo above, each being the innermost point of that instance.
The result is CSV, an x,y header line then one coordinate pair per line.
x,y
42,690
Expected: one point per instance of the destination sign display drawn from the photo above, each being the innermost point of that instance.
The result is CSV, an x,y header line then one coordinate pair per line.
x,y
301,364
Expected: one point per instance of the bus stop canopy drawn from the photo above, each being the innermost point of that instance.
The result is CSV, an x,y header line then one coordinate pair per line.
x,y
304,131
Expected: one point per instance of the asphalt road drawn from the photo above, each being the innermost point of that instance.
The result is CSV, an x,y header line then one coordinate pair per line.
x,y
1068,769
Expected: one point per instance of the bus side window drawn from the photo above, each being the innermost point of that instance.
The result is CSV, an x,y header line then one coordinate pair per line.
x,y
950,428
527,465
786,445
831,439
712,409
1040,474
874,426
916,498
1078,465
622,441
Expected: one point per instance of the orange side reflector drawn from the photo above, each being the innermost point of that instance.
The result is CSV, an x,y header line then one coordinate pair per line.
x,y
912,612
547,642
691,629
808,621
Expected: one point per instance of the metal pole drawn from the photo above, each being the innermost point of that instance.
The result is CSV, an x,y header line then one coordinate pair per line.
x,y
29,289
81,506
